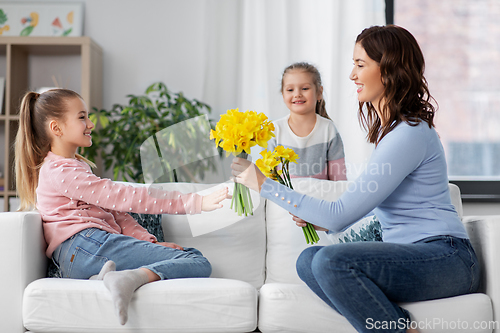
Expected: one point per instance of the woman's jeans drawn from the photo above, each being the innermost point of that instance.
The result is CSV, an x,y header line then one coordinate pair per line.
x,y
83,255
363,281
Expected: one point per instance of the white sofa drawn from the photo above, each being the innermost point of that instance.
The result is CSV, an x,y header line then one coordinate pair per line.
x,y
253,285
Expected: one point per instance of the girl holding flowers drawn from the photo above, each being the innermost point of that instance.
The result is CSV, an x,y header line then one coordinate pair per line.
x,y
426,253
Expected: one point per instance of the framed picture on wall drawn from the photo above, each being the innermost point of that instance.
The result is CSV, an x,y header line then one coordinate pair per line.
x,y
41,19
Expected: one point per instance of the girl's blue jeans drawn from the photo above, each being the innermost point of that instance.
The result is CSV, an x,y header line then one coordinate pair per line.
x,y
363,281
83,255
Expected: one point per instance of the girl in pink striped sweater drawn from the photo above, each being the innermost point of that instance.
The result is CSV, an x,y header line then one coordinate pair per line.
x,y
86,226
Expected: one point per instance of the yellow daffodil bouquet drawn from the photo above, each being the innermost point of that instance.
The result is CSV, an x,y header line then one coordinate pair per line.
x,y
236,133
275,165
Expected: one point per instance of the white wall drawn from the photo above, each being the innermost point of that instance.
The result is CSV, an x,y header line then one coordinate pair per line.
x,y
146,41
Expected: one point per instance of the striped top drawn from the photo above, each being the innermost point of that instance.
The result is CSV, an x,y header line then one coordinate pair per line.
x,y
321,152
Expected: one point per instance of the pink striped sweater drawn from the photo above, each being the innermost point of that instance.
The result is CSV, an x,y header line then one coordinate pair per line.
x,y
71,198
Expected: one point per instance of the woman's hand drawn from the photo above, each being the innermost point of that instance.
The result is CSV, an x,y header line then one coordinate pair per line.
x,y
301,223
212,201
247,173
172,245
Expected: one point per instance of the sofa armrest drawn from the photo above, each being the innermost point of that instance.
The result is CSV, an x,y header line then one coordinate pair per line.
x,y
23,260
484,233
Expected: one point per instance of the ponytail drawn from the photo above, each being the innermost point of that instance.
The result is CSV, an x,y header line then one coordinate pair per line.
x,y
306,67
33,140
29,153
321,109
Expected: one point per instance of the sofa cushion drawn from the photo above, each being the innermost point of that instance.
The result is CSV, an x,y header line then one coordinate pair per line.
x,y
237,249
179,305
278,312
285,241
467,313
294,308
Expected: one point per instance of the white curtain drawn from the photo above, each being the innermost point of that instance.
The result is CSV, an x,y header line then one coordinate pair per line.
x,y
248,43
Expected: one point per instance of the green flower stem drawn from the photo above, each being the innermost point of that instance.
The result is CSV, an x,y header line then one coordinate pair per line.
x,y
287,174
235,194
281,181
241,197
310,234
244,194
306,234
241,203
308,237
249,201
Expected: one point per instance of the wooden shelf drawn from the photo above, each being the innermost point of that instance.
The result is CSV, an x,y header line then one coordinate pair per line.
x,y
18,52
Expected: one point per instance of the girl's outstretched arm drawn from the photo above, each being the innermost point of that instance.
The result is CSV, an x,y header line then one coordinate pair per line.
x,y
212,201
74,182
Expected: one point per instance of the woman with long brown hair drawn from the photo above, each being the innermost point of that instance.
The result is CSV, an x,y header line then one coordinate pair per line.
x,y
425,253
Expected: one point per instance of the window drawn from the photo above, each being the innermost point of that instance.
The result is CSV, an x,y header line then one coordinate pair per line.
x,y
459,39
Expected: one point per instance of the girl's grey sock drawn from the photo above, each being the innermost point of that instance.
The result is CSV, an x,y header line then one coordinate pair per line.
x,y
109,266
122,285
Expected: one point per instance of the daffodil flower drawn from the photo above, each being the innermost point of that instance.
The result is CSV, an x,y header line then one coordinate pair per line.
x,y
236,133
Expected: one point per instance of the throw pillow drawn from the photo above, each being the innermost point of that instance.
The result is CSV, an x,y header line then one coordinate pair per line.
x,y
365,230
152,223
52,270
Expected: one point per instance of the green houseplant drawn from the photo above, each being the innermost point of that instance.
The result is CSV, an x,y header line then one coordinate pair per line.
x,y
121,131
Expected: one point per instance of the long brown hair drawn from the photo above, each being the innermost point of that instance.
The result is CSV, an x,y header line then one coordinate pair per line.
x,y
406,94
306,67
33,141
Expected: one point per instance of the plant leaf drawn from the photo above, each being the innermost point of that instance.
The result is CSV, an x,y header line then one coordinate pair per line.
x,y
3,17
